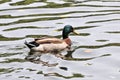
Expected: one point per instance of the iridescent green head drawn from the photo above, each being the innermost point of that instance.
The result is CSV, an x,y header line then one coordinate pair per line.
x,y
67,30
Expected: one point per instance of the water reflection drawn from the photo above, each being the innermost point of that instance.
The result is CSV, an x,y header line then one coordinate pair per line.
x,y
35,57
96,48
75,75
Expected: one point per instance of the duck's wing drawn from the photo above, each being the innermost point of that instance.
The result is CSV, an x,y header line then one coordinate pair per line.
x,y
48,40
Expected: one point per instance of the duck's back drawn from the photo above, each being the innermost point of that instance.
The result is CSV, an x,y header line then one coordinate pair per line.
x,y
48,40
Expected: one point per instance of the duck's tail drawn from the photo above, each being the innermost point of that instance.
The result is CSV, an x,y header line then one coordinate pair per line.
x,y
31,44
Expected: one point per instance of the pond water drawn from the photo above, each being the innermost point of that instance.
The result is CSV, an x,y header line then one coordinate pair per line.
x,y
96,50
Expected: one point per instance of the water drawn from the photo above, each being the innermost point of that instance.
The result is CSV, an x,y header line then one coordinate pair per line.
x,y
96,50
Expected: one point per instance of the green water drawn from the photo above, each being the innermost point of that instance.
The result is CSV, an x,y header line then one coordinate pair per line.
x,y
95,51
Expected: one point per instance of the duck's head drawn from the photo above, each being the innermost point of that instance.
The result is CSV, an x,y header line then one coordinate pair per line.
x,y
67,30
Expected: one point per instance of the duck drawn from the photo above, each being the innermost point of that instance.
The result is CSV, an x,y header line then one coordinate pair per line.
x,y
48,44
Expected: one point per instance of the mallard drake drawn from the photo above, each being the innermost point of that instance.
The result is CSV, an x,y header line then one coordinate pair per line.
x,y
45,44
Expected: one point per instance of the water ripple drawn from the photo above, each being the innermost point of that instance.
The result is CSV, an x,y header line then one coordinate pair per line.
x,y
97,45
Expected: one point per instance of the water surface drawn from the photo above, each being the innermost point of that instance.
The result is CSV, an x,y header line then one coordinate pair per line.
x,y
96,50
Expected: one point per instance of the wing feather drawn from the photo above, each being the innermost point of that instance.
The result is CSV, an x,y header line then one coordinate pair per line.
x,y
48,40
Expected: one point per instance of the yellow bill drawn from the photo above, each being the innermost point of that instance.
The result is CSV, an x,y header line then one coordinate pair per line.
x,y
75,32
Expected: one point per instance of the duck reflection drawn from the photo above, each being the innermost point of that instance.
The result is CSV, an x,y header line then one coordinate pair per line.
x,y
35,57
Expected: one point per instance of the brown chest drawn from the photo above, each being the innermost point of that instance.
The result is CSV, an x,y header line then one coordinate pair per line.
x,y
68,41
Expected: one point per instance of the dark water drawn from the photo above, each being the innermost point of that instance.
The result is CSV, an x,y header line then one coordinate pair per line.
x,y
96,51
